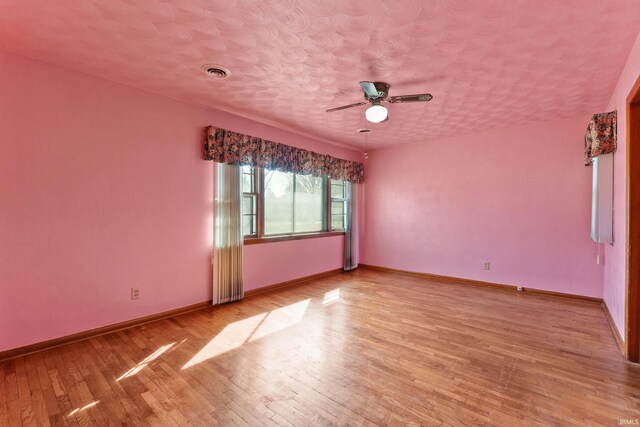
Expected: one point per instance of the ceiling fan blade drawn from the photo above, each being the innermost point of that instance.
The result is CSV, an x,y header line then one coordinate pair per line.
x,y
370,89
344,107
421,97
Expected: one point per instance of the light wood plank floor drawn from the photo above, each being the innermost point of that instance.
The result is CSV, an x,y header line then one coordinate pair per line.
x,y
361,348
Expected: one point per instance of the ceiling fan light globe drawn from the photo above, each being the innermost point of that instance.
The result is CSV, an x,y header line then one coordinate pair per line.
x,y
376,113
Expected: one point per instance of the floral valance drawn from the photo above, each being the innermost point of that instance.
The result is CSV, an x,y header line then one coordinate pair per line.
x,y
600,137
233,148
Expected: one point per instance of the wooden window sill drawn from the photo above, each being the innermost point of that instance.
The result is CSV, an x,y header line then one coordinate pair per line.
x,y
283,238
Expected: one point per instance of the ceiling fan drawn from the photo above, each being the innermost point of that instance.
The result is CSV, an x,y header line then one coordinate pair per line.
x,y
377,92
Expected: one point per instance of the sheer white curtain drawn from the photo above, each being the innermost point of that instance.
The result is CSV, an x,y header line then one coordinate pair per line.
x,y
227,248
351,231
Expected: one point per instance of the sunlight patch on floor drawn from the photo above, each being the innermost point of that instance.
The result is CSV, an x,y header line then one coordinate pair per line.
x,y
84,408
331,297
140,366
232,336
281,318
253,328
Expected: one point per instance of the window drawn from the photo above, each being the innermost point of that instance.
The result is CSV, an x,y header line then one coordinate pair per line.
x,y
293,203
249,201
338,205
279,204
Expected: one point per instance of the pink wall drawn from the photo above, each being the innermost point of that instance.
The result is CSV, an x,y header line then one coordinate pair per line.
x,y
615,267
102,189
519,198
302,255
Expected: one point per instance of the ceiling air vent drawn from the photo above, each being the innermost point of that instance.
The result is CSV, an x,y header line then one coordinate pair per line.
x,y
215,71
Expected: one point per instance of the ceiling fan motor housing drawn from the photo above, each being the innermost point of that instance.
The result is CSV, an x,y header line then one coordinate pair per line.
x,y
383,92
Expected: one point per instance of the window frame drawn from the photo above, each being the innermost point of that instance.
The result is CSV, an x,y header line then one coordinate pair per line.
x,y
345,203
261,237
256,195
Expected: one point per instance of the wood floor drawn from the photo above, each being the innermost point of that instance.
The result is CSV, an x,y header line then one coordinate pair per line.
x,y
360,348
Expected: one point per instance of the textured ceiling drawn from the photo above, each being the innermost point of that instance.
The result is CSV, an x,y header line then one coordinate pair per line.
x,y
487,63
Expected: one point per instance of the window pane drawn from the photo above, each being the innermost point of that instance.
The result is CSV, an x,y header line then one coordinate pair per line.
x,y
337,188
308,203
278,202
338,210
247,183
249,225
337,222
337,207
248,204
247,179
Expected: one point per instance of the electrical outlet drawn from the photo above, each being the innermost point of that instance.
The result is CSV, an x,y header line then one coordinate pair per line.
x,y
486,265
135,293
